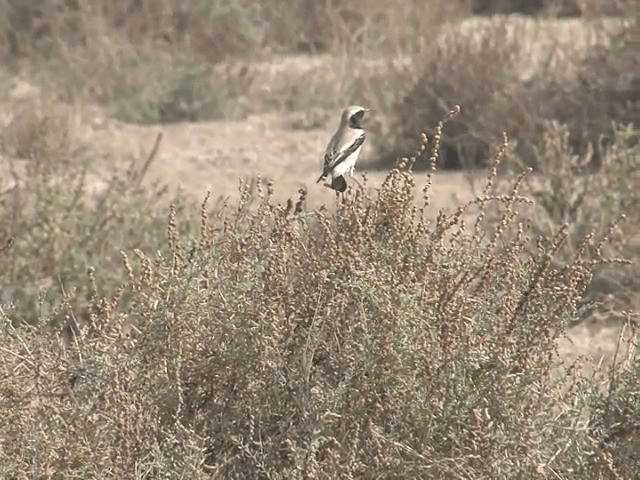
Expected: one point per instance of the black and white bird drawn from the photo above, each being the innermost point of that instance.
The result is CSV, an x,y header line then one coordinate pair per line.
x,y
344,148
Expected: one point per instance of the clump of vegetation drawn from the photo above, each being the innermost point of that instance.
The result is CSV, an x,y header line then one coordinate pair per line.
x,y
369,339
152,62
597,189
61,217
268,340
515,74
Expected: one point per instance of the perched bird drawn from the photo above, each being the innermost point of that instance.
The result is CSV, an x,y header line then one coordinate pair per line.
x,y
344,148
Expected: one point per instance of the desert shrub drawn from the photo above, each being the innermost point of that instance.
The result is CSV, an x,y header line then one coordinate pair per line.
x,y
373,27
149,83
590,195
160,87
218,30
274,341
61,217
211,29
513,74
615,422
147,63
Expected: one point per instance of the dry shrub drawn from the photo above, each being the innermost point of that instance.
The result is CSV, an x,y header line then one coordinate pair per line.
x,y
615,424
319,85
373,341
211,29
513,74
147,61
218,30
588,196
37,127
59,215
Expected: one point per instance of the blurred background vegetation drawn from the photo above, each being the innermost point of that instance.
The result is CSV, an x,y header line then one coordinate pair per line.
x,y
173,60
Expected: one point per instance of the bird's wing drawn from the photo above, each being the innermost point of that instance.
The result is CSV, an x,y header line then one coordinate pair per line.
x,y
334,158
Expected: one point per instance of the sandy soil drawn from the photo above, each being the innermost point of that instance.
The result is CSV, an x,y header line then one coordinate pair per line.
x,y
197,157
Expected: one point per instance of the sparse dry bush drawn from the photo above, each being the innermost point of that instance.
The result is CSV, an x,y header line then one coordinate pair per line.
x,y
60,216
591,196
38,127
371,26
514,74
287,343
615,424
147,61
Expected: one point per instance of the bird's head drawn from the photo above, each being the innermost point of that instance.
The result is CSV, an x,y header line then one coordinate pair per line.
x,y
354,115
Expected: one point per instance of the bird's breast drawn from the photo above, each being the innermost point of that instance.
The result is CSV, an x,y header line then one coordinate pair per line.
x,y
347,164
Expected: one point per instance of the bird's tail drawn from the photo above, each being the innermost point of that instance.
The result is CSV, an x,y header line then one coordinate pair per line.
x,y
339,184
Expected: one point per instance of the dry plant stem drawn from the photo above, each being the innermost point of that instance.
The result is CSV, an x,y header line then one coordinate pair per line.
x,y
7,245
138,177
206,240
435,152
493,172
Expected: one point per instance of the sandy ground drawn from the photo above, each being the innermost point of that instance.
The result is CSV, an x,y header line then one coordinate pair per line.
x,y
214,156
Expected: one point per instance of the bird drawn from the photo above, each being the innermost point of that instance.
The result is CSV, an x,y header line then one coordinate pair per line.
x,y
344,148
